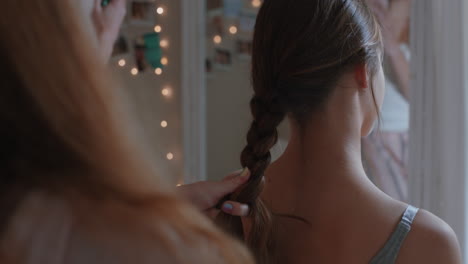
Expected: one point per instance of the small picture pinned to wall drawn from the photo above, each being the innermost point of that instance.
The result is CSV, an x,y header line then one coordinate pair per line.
x,y
215,23
214,4
120,46
244,49
153,52
142,12
223,59
148,52
140,54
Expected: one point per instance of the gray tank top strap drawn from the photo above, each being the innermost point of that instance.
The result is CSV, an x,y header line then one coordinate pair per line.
x,y
389,253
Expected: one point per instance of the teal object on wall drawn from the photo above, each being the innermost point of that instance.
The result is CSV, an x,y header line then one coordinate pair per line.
x,y
153,52
105,2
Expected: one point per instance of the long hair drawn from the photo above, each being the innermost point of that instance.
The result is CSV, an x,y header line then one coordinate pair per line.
x,y
62,129
300,50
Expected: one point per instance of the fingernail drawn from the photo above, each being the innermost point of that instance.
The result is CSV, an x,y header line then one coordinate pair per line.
x,y
227,207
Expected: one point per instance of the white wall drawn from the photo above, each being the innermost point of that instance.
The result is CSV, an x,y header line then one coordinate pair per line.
x,y
228,118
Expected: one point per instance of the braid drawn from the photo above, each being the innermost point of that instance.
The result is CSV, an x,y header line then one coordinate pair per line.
x,y
267,113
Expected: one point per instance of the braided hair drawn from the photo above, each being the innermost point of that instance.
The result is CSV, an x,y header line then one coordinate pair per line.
x,y
300,49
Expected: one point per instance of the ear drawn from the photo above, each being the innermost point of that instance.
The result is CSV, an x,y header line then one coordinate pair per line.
x,y
360,76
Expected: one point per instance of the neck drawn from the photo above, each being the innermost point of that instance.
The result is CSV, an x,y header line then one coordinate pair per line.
x,y
322,164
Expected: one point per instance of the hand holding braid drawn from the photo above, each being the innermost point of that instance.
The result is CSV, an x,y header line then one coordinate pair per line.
x,y
262,136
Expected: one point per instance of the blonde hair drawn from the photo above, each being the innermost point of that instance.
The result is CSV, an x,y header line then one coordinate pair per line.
x,y
62,133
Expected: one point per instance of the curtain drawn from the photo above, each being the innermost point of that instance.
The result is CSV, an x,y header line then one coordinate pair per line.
x,y
438,110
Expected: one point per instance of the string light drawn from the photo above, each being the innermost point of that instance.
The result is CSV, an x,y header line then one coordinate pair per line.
x,y
233,30
170,156
217,39
180,183
164,43
256,3
166,92
157,29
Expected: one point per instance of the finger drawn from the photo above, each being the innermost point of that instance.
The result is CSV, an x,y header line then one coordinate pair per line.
x,y
212,213
235,208
233,175
230,184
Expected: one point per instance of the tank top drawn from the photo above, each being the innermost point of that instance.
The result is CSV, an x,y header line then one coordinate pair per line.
x,y
389,253
395,112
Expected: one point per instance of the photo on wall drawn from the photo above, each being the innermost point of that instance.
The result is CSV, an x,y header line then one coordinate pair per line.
x,y
214,4
120,46
215,23
142,12
222,59
244,49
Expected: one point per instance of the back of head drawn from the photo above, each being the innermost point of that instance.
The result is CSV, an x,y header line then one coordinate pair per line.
x,y
61,132
300,50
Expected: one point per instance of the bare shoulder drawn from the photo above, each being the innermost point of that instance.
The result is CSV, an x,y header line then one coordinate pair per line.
x,y
430,241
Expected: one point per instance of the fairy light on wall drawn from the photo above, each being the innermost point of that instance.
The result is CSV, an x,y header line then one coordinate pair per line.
x,y
160,13
164,43
166,92
217,39
233,30
256,3
158,71
170,156
157,29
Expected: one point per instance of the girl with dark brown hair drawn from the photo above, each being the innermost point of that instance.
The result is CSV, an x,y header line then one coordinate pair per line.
x,y
318,63
74,186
